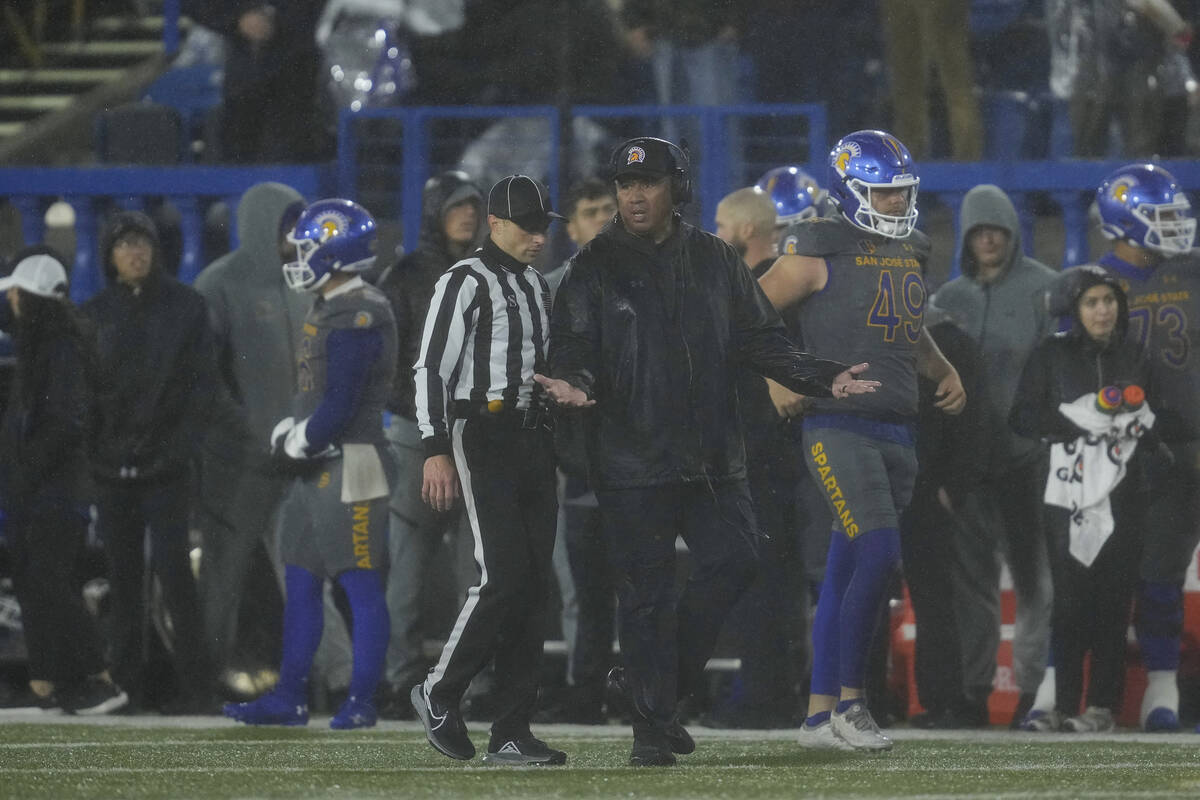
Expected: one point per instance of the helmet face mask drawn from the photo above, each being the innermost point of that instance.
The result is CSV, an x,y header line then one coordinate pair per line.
x,y
331,236
864,162
1143,205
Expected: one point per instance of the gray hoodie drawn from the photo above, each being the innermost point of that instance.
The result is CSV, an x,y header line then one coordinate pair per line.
x,y
255,316
1006,317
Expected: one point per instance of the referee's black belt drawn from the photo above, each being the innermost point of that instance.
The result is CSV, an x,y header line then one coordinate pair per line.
x,y
506,413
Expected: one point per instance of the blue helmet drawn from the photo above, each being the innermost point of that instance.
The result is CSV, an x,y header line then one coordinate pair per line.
x,y
795,194
330,236
1143,205
866,160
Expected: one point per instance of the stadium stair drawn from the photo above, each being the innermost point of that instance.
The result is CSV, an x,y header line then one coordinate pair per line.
x,y
46,111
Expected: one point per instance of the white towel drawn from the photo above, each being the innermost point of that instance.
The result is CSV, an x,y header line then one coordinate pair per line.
x,y
1084,472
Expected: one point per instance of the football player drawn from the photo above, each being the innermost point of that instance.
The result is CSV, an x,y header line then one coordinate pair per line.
x,y
867,264
796,196
335,518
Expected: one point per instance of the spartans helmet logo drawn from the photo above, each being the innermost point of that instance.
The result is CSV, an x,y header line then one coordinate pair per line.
x,y
1120,191
636,155
331,224
841,158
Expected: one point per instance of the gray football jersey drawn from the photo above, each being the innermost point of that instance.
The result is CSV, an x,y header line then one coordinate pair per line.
x,y
359,309
1164,317
872,309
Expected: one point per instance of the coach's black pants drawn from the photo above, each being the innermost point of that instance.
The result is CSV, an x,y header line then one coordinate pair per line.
x,y
665,650
45,537
509,489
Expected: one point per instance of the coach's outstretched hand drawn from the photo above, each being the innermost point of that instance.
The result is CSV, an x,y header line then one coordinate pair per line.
x,y
845,384
563,393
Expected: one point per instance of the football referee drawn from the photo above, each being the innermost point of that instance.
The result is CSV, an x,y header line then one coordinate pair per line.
x,y
485,428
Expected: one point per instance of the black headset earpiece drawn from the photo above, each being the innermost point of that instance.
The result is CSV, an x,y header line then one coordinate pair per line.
x,y
681,173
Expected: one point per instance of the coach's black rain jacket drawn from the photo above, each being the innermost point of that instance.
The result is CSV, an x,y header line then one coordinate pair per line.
x,y
654,333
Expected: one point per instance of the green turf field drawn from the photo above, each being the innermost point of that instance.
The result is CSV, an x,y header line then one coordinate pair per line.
x,y
149,757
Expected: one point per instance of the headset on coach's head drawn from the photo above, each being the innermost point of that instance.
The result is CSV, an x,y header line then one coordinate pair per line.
x,y
681,165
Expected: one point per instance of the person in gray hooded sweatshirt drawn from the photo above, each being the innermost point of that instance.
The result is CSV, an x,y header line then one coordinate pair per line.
x,y
998,300
257,322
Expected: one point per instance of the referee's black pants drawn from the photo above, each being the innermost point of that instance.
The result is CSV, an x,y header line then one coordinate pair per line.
x,y
664,649
509,489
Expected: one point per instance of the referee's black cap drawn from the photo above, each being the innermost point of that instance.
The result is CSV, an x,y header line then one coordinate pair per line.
x,y
524,200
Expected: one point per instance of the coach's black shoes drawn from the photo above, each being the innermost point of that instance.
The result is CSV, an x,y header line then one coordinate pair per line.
x,y
679,740
522,751
444,726
651,748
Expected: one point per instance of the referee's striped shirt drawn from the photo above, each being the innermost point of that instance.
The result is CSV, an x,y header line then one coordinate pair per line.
x,y
485,336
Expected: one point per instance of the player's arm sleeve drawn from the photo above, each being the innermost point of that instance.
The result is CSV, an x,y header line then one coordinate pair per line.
x,y
575,330
761,342
351,353
450,310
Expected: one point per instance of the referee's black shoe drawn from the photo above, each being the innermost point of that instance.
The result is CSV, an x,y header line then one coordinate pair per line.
x,y
444,726
522,751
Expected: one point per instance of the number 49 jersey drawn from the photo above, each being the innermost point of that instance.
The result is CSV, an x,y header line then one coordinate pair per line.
x,y
871,309
1164,318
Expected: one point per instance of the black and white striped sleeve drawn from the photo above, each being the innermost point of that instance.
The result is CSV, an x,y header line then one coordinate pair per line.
x,y
451,313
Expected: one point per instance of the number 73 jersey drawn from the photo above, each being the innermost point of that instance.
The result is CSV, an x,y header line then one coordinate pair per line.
x,y
1164,318
871,309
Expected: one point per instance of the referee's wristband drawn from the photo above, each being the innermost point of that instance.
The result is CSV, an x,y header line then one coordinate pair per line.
x,y
436,445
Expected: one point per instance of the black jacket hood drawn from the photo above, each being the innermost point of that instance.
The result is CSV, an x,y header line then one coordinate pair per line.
x,y
1074,282
128,222
441,193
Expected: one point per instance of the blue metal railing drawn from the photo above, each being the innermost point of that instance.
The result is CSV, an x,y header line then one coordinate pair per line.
x,y
715,126
90,190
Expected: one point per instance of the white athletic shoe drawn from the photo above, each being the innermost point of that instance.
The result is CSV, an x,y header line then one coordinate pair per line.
x,y
858,729
1039,721
1093,720
820,737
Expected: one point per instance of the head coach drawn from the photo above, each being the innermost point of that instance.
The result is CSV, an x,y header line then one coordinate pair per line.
x,y
653,319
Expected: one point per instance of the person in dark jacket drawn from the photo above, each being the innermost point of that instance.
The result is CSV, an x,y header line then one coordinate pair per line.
x,y
1091,600
451,218
650,325
948,469
43,479
270,90
157,383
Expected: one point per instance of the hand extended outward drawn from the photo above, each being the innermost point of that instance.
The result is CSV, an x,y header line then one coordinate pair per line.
x,y
563,393
845,384
439,488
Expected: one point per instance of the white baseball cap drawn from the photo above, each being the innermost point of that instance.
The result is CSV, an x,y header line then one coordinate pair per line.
x,y
41,274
